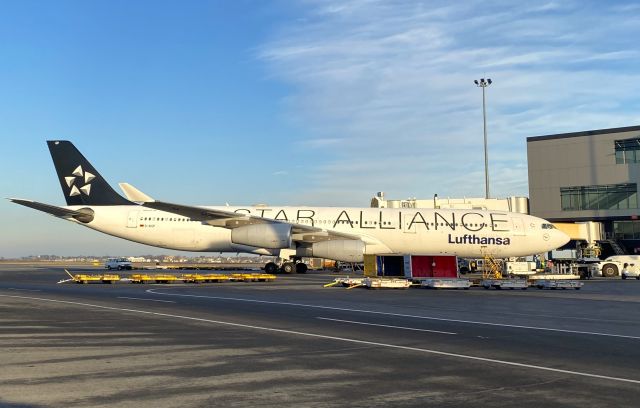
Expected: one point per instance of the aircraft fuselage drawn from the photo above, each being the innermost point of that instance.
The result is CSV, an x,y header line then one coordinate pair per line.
x,y
465,233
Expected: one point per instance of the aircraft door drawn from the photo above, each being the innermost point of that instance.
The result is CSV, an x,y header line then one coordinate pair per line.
x,y
518,226
132,219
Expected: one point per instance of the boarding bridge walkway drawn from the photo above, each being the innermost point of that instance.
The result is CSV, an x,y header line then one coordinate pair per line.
x,y
592,233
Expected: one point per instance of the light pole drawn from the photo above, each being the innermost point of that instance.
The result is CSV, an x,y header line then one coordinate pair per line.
x,y
483,84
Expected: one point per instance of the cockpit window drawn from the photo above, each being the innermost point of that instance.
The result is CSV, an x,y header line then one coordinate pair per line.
x,y
548,226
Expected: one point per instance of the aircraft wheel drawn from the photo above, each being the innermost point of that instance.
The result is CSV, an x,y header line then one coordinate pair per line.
x,y
609,270
271,268
301,268
288,267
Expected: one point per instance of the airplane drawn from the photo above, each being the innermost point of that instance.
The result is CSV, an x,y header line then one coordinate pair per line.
x,y
337,233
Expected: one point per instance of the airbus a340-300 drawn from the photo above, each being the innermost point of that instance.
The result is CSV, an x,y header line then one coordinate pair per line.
x,y
343,234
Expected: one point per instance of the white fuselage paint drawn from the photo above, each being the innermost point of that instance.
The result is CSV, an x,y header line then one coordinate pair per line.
x,y
465,233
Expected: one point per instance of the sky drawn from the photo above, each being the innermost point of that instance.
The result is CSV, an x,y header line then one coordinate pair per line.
x,y
308,102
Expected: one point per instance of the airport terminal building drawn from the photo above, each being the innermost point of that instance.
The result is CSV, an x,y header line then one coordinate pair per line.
x,y
588,176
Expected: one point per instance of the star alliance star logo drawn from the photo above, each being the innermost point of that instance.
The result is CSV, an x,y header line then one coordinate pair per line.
x,y
84,178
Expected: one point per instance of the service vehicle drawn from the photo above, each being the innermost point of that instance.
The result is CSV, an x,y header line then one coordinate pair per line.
x,y
631,271
118,263
519,268
613,265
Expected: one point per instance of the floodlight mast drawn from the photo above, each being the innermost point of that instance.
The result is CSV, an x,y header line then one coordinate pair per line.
x,y
482,83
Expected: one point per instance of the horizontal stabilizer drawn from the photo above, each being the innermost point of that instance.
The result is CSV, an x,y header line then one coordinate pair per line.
x,y
83,215
133,194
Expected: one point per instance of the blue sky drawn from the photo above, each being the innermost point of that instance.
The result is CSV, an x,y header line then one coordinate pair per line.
x,y
296,102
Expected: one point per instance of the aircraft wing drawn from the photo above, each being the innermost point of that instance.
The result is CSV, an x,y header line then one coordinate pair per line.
x,y
84,215
231,220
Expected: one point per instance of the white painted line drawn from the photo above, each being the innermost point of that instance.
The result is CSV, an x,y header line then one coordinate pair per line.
x,y
385,325
442,319
24,327
344,339
150,300
25,290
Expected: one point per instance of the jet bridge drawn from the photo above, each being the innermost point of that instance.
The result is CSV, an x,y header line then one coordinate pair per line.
x,y
589,231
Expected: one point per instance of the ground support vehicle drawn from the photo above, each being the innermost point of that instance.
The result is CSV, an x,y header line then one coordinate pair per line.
x,y
106,278
612,266
631,272
392,283
346,281
445,283
558,284
159,278
519,268
118,263
251,277
505,284
553,276
198,278
86,278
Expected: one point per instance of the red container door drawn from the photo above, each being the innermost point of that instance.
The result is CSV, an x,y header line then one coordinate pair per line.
x,y
445,267
421,266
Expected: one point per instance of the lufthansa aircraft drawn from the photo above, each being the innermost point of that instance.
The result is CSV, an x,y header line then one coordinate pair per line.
x,y
343,234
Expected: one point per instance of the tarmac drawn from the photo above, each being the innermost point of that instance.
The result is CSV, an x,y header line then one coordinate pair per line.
x,y
293,343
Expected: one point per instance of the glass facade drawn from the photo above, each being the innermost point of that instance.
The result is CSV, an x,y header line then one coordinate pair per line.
x,y
627,151
605,197
626,229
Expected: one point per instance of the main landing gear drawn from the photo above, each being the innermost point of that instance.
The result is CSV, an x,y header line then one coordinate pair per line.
x,y
294,266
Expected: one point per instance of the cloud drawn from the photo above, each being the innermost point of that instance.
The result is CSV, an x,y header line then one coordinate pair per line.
x,y
387,88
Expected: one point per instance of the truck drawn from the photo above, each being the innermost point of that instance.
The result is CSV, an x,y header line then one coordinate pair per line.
x,y
118,263
613,265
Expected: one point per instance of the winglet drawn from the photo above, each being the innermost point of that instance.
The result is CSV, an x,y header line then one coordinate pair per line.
x,y
135,195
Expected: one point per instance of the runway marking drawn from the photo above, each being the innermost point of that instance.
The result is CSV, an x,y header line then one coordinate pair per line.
x,y
25,290
442,319
150,300
343,339
385,325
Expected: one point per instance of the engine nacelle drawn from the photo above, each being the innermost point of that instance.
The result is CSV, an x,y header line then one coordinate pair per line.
x,y
345,250
263,235
86,215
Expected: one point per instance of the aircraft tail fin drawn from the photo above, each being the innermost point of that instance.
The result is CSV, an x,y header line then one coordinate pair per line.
x,y
80,181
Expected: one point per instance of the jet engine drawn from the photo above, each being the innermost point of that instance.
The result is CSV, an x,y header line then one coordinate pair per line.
x,y
345,250
263,235
85,215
